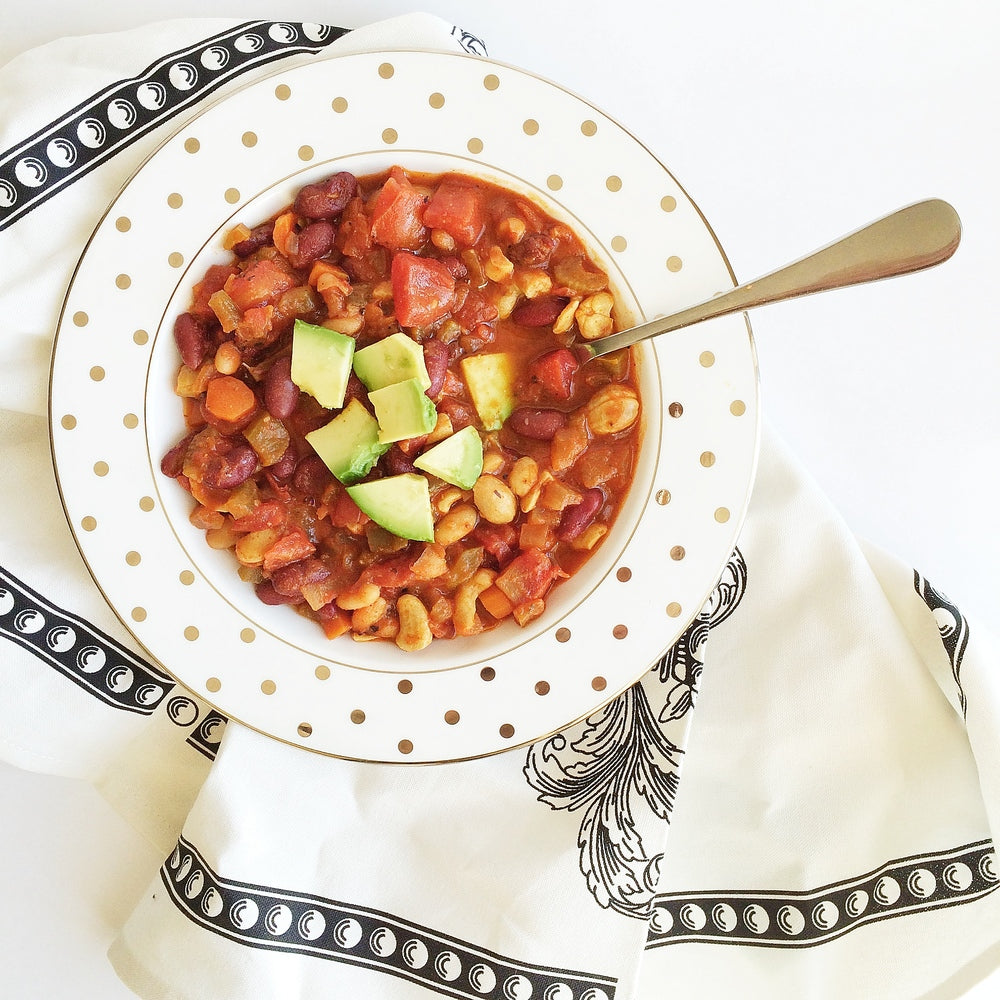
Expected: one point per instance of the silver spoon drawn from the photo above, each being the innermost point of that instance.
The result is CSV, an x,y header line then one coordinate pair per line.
x,y
908,240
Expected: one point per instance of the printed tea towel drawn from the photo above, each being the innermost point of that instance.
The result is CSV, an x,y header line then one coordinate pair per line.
x,y
831,808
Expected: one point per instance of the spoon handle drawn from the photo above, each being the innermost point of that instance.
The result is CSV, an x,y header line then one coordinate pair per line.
x,y
908,240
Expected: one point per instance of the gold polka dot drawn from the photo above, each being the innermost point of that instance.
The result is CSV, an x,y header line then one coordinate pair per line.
x,y
618,243
677,553
436,100
707,459
386,70
563,635
68,422
668,203
80,319
674,609
304,729
404,686
506,730
306,153
706,359
620,631
358,716
599,683
282,91
248,635
97,373
624,574
530,127
174,200
675,409
339,104
491,81
213,684
663,497
176,259
146,504
554,182
474,145
192,145
322,672
674,264
737,407
249,139
131,421
186,577
123,223
138,614
588,127
133,558
487,673
722,514
101,468
268,687
389,136
232,195
451,717
405,746
542,688
191,633
140,337
613,183
88,523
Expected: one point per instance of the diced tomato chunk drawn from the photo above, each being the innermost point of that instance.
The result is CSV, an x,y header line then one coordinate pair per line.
x,y
396,572
397,214
423,289
554,371
345,513
457,208
288,549
215,279
267,514
527,577
500,540
262,282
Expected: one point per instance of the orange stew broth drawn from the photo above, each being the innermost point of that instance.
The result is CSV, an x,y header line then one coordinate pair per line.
x,y
463,267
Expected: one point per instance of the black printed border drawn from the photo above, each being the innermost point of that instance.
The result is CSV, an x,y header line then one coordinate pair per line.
x,y
78,650
953,627
277,920
803,919
102,126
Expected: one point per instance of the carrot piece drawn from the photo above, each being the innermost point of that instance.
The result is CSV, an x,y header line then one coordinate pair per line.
x,y
227,398
496,602
285,238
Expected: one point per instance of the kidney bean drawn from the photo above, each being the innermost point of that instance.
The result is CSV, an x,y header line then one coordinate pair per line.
x,y
541,311
281,394
312,476
456,267
284,468
356,390
327,198
397,461
172,464
436,362
268,595
534,249
191,339
315,241
580,515
536,423
289,580
459,412
260,236
230,465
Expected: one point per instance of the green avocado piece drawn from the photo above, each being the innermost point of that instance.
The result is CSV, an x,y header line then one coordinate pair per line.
x,y
403,411
458,459
349,443
400,504
490,380
394,359
321,362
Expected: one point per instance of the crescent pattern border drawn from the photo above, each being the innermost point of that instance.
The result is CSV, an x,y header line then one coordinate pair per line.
x,y
803,919
279,920
952,625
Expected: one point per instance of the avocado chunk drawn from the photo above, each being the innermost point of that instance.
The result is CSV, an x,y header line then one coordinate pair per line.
x,y
349,443
400,504
321,363
490,380
458,459
394,359
403,411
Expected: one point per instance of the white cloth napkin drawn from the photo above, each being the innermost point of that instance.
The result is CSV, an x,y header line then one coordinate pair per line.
x,y
831,836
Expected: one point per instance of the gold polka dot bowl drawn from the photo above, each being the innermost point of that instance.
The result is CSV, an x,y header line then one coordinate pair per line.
x,y
113,412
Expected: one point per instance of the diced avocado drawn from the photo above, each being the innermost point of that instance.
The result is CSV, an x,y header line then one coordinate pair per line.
x,y
349,443
490,380
403,411
400,504
321,363
458,459
394,359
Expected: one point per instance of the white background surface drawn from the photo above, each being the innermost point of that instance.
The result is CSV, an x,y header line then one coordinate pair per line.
x,y
789,124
